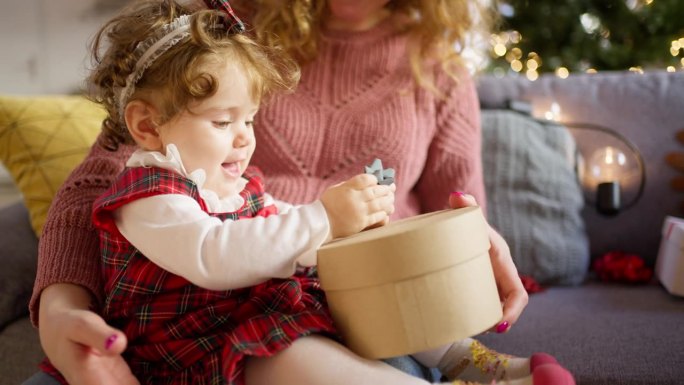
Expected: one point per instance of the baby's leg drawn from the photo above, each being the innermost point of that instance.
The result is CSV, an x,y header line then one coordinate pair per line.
x,y
469,360
317,360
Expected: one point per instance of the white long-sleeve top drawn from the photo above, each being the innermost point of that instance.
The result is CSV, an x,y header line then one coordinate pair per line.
x,y
175,233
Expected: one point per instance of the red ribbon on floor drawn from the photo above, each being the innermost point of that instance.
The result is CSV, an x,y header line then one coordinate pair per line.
x,y
530,284
618,266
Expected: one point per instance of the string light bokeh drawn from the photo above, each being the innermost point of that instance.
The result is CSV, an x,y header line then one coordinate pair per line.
x,y
513,52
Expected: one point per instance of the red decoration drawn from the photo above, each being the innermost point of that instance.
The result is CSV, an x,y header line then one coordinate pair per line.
x,y
618,266
530,284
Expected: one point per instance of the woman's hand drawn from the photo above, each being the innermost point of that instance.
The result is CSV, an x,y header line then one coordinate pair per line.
x,y
78,342
511,290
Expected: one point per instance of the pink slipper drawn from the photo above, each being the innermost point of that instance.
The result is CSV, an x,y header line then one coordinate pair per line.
x,y
552,374
541,359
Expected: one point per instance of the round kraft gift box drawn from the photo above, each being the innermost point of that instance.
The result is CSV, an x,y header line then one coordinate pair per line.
x,y
412,285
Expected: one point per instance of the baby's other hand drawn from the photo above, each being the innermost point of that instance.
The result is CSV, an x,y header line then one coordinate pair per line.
x,y
357,204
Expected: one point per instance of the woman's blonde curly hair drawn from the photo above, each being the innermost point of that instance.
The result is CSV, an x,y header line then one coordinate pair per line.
x,y
182,73
439,29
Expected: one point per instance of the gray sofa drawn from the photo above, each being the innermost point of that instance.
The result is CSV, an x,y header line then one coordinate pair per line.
x,y
605,333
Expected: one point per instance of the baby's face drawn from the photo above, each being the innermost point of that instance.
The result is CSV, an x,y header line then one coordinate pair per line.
x,y
216,134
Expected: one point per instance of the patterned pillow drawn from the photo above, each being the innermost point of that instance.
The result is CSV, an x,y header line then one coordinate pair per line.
x,y
533,196
42,139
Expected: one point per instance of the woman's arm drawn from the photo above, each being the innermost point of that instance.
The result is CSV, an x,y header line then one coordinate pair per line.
x,y
68,283
78,342
68,250
454,159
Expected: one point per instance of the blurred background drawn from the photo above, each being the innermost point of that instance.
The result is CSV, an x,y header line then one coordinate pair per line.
x,y
44,42
539,36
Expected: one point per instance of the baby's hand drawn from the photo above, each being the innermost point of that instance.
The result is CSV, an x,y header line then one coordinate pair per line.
x,y
357,204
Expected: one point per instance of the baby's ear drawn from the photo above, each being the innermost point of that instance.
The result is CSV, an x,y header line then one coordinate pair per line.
x,y
140,120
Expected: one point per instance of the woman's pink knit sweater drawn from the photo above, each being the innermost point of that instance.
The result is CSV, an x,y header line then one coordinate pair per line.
x,y
356,102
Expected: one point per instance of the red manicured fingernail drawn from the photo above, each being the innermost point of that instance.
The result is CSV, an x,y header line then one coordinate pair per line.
x,y
502,327
457,193
110,341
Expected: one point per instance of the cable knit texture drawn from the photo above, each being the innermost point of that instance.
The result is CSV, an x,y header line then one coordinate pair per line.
x,y
356,101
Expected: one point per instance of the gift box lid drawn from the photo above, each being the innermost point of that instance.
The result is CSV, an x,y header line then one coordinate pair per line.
x,y
403,249
672,225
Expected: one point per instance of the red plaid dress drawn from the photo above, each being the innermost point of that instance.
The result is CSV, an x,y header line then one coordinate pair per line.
x,y
182,334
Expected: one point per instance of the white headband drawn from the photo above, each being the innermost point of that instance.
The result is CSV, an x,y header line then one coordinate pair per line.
x,y
148,50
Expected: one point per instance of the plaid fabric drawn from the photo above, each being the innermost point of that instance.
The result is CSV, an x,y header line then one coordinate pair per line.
x,y
182,334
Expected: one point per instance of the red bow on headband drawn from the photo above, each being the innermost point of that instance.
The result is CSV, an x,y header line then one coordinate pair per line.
x,y
236,25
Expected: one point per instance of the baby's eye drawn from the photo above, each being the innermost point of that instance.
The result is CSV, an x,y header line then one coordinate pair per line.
x,y
222,124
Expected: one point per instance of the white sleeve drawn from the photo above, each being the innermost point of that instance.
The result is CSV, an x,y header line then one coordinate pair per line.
x,y
173,232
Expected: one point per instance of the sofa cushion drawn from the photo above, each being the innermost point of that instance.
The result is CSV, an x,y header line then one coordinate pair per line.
x,y
645,108
534,198
41,140
19,247
604,334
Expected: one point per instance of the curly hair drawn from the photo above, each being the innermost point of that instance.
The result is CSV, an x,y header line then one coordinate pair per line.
x,y
439,29
181,74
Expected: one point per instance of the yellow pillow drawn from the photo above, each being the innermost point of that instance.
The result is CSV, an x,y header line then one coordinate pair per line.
x,y
42,139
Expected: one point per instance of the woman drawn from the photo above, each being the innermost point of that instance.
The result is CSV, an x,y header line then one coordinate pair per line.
x,y
380,79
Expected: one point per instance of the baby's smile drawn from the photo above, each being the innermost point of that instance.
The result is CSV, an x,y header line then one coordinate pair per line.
x,y
232,168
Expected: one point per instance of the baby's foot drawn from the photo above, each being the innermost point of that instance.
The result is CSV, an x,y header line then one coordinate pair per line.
x,y
544,374
469,360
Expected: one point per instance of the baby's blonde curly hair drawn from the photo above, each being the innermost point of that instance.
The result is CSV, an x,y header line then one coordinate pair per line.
x,y
439,29
181,74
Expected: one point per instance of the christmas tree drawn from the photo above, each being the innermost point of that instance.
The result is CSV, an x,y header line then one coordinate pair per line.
x,y
589,35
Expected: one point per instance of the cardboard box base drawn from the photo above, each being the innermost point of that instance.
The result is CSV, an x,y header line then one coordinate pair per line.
x,y
418,314
412,285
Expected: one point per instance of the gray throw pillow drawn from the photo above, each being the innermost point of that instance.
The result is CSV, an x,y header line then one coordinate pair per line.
x,y
533,196
18,255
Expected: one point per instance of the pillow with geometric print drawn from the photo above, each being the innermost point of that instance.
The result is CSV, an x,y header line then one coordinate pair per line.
x,y
42,139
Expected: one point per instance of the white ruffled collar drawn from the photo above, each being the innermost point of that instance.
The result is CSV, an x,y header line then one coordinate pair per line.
x,y
172,161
